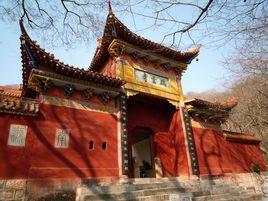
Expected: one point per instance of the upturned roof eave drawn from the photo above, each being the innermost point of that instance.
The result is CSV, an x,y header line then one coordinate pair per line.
x,y
124,34
225,106
44,57
11,102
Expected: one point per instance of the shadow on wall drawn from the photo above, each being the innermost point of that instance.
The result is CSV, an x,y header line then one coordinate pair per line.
x,y
217,156
171,149
51,164
84,127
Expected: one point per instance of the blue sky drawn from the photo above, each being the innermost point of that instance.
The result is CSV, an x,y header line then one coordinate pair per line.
x,y
205,74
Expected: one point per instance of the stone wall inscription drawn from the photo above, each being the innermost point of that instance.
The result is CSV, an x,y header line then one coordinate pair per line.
x,y
62,138
17,135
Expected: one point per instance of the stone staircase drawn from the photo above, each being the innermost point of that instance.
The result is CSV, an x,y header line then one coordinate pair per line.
x,y
165,189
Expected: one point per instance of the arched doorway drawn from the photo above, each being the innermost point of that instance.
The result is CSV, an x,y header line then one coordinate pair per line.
x,y
146,117
142,153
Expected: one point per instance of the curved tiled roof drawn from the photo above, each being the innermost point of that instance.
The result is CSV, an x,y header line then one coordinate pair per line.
x,y
223,106
33,55
11,102
212,111
10,91
115,29
237,137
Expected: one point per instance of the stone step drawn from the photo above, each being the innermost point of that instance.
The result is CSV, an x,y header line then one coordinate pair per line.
x,y
147,181
131,195
247,197
154,191
135,187
162,197
223,197
160,189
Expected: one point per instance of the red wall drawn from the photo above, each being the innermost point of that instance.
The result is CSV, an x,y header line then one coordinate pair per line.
x,y
218,156
165,122
78,96
40,159
171,149
109,68
215,155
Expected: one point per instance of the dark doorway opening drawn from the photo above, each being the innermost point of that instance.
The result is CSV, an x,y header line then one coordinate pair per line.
x,y
142,153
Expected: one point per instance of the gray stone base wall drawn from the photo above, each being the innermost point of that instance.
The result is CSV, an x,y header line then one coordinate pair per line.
x,y
52,189
66,189
14,189
249,181
38,189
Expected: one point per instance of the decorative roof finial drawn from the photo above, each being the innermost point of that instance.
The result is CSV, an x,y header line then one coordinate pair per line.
x,y
22,29
109,6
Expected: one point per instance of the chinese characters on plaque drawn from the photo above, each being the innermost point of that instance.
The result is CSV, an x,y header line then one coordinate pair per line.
x,y
151,78
62,138
17,135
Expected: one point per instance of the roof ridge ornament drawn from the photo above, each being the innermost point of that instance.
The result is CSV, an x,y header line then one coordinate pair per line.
x,y
111,16
22,28
110,7
25,45
115,29
193,49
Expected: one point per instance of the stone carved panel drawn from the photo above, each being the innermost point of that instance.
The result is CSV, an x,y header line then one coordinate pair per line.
x,y
62,138
180,197
17,135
